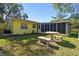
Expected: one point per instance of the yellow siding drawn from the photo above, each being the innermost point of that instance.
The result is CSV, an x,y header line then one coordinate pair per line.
x,y
16,24
3,25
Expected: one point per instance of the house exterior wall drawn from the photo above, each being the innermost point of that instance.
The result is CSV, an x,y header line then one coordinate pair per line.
x,y
16,27
3,26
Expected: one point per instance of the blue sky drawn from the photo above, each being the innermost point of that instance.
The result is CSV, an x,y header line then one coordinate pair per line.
x,y
40,12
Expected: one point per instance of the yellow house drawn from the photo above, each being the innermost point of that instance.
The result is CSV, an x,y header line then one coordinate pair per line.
x,y
20,26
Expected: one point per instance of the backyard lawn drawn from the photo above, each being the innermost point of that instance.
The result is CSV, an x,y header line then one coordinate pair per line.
x,y
26,45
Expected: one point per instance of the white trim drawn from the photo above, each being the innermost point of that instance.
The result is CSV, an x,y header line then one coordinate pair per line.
x,y
44,27
56,27
78,36
49,26
40,27
61,27
66,28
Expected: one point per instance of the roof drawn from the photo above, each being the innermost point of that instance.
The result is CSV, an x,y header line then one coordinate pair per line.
x,y
57,21
66,21
24,20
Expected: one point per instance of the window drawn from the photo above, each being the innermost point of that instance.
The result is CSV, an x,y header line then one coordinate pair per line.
x,y
34,26
23,26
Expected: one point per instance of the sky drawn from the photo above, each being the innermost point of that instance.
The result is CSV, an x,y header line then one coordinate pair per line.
x,y
40,12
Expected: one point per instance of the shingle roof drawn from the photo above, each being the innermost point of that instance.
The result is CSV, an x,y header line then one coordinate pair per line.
x,y
59,21
24,20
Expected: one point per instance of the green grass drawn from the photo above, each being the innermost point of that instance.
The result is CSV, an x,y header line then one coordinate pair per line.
x,y
26,45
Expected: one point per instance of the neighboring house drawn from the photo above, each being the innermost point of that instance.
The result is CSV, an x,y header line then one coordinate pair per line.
x,y
20,26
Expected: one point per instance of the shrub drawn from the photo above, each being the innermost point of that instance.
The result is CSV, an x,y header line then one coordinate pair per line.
x,y
73,34
7,31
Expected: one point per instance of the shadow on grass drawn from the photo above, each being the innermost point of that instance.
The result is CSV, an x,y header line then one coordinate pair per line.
x,y
66,44
42,52
4,52
26,39
31,40
22,37
26,36
54,47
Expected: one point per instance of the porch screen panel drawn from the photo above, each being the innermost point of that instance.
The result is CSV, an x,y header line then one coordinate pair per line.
x,y
59,27
63,28
42,28
52,27
46,27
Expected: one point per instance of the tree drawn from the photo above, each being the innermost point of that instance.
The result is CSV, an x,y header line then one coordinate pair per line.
x,y
25,16
59,16
2,12
10,10
63,9
14,10
73,9
17,11
74,16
